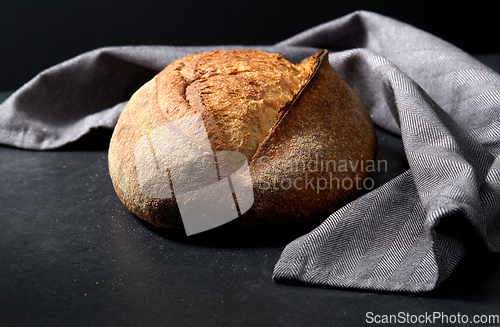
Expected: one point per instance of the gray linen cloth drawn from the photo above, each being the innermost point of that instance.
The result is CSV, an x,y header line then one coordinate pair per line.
x,y
410,232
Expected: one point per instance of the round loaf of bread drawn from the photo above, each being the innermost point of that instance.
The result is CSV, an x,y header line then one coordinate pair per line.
x,y
304,133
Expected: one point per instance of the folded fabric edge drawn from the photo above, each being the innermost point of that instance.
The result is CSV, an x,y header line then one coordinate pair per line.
x,y
282,275
342,252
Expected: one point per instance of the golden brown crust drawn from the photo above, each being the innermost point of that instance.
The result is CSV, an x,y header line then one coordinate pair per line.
x,y
325,126
243,90
131,126
315,117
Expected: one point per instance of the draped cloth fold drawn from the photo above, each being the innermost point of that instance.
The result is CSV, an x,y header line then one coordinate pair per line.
x,y
410,232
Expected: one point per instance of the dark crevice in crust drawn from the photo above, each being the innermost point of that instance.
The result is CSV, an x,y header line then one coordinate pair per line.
x,y
186,83
319,57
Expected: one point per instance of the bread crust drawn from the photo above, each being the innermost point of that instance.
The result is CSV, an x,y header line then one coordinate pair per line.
x,y
323,122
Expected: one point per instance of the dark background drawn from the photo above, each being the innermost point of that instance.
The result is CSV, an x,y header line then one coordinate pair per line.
x,y
71,255
35,35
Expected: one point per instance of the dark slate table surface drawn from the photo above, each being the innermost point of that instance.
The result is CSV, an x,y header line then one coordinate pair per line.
x,y
72,255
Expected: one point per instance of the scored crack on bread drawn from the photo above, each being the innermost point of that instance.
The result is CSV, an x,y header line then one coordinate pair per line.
x,y
243,90
263,106
325,125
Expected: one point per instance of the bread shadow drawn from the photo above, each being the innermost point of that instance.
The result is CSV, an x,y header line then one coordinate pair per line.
x,y
229,236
